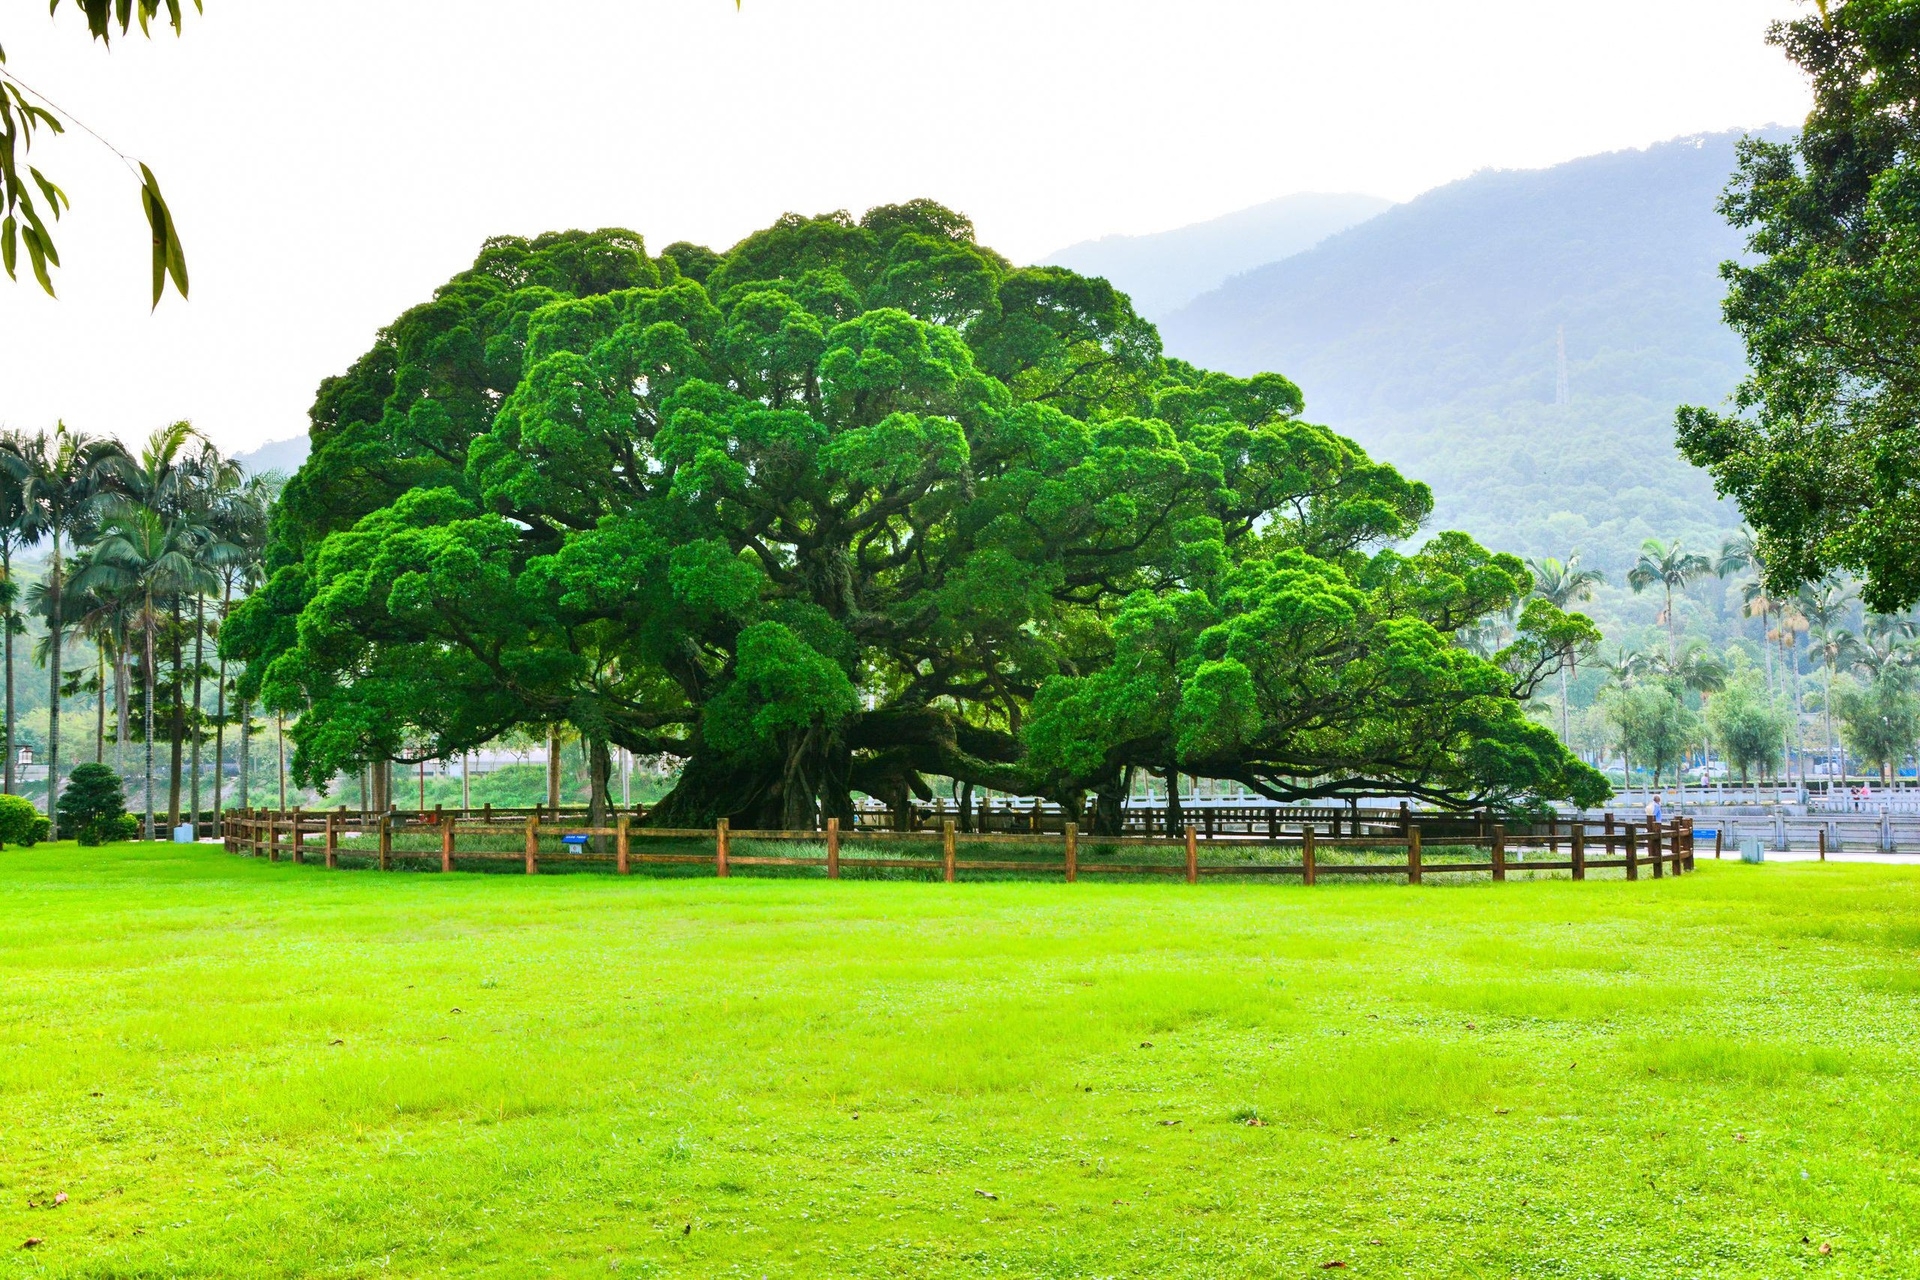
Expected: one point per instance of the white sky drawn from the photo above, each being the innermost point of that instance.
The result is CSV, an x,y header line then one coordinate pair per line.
x,y
330,163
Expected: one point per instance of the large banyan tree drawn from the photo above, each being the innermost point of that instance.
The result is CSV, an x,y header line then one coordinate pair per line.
x,y
859,505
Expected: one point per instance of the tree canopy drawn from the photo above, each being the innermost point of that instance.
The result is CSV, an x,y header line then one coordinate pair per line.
x,y
859,503
1822,449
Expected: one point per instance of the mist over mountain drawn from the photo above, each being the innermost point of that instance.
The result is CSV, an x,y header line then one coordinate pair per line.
x,y
1430,334
284,456
1168,269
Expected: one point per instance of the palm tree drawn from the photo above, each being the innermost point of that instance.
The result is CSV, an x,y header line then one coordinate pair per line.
x,y
13,537
1564,584
1829,644
140,551
1624,669
1740,554
61,474
1698,668
1669,566
238,555
162,480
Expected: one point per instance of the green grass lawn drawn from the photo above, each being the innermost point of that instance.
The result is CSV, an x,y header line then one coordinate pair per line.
x,y
235,1068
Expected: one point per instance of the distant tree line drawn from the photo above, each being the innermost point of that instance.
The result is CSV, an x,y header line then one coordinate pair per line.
x,y
145,555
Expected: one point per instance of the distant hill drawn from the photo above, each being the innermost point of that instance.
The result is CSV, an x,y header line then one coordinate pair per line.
x,y
1167,269
284,456
1429,334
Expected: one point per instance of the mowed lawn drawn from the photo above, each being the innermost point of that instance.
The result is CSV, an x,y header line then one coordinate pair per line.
x,y
236,1068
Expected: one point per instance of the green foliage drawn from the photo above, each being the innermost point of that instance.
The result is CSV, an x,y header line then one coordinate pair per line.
x,y
94,808
857,503
20,822
1748,723
1822,451
1879,717
1655,726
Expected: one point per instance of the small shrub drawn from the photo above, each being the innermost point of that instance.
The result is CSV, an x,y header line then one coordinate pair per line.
x,y
93,808
20,822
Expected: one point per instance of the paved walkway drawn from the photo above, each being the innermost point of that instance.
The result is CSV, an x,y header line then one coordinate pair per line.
x,y
1813,855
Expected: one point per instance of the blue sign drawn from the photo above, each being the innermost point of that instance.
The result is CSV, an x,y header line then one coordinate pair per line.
x,y
573,839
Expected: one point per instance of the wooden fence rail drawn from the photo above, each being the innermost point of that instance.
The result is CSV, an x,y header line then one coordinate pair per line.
x,y
1658,848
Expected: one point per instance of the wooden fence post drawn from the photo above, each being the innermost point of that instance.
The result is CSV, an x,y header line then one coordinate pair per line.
x,y
1073,852
1307,870
1823,842
1633,850
1499,852
833,848
1654,850
446,839
533,844
273,837
299,845
332,839
1413,855
720,830
622,843
947,847
1193,856
1553,835
1719,833
1580,850
386,841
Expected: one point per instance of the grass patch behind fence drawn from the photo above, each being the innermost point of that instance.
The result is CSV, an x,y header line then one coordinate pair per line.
x,y
237,1068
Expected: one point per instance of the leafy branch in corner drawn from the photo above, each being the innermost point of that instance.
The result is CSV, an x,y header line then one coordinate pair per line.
x,y
23,112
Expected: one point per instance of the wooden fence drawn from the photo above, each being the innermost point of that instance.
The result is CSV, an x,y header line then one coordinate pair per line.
x,y
1658,848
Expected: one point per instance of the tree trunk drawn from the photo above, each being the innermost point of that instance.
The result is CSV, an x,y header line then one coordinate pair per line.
x,y
55,623
1173,820
146,791
599,772
121,697
966,806
246,754
553,767
6,568
219,738
199,664
280,734
100,705
177,723
1565,731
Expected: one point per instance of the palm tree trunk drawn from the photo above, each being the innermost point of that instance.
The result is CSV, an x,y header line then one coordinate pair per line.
x,y
199,663
246,754
280,729
177,726
100,705
120,700
1564,723
146,632
6,568
220,712
54,625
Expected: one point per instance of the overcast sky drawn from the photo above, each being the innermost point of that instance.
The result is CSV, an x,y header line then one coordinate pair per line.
x,y
329,164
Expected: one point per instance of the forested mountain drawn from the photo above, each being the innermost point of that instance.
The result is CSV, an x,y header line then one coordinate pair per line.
x,y
1429,334
284,456
1164,271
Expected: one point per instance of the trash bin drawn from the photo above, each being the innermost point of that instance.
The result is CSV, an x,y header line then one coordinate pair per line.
x,y
1751,850
183,834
